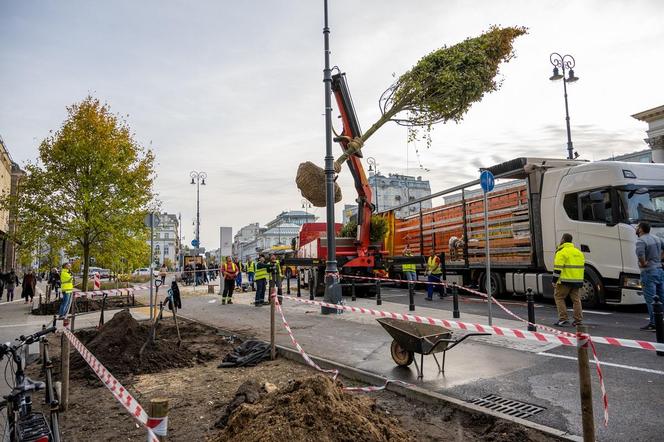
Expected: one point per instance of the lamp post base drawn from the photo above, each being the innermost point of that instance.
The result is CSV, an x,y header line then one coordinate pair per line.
x,y
333,293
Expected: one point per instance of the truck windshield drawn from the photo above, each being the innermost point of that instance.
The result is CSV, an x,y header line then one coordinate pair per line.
x,y
642,204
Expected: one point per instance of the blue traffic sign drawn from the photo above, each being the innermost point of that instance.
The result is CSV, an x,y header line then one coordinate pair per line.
x,y
487,181
194,243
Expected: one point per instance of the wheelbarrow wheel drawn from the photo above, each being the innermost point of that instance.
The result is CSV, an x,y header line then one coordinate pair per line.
x,y
403,358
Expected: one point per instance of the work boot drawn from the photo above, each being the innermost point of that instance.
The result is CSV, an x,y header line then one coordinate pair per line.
x,y
649,327
223,301
230,301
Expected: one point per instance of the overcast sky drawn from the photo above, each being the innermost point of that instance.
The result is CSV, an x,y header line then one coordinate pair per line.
x,y
235,88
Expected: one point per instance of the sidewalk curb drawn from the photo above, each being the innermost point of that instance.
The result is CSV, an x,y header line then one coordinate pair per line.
x,y
413,392
421,394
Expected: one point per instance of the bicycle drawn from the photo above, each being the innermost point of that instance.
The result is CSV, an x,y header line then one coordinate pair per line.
x,y
23,424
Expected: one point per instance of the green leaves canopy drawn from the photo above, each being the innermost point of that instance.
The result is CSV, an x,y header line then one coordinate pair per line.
x,y
91,185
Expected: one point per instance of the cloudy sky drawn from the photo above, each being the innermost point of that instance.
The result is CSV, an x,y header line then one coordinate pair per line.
x,y
235,88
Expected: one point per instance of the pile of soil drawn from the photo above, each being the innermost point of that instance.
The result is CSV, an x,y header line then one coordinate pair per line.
x,y
314,408
118,342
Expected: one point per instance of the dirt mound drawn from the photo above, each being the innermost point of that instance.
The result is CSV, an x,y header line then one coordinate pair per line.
x,y
118,343
314,408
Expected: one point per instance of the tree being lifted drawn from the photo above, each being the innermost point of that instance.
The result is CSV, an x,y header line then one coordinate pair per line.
x,y
439,88
91,185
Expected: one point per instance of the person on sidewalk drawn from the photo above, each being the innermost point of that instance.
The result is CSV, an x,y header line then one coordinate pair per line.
x,y
568,265
67,288
409,270
434,272
163,271
238,277
12,282
650,253
251,270
3,282
29,286
229,270
262,269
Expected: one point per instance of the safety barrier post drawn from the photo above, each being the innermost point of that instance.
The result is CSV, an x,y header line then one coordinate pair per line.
x,y
299,292
585,388
455,301
103,307
161,310
379,301
159,410
352,290
288,283
444,269
411,297
273,349
530,299
312,285
659,322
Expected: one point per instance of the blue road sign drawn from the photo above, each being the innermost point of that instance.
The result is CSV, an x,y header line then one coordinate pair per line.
x,y
487,181
194,243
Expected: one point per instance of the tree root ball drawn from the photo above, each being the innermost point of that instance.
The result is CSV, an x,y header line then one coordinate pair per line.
x,y
310,180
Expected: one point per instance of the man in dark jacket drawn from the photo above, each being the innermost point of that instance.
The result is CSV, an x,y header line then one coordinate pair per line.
x,y
29,286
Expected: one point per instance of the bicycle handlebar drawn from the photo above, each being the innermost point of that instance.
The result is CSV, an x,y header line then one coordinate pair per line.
x,y
35,336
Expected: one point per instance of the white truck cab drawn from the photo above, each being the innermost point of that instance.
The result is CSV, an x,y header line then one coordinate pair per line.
x,y
600,203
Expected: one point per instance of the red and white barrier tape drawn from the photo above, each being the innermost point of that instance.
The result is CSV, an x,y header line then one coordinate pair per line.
x,y
616,342
120,393
582,340
313,364
117,292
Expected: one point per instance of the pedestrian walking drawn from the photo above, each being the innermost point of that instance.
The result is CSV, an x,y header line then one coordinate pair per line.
x,y
12,283
251,270
262,269
29,286
229,270
434,272
3,282
67,287
568,269
650,253
163,271
238,277
409,270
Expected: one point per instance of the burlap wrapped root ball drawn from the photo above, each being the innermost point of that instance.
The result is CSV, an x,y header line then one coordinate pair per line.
x,y
310,180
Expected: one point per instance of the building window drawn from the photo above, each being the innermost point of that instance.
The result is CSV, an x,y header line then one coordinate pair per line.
x,y
166,250
571,205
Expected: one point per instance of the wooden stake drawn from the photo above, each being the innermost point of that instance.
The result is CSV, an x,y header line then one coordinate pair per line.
x,y
585,388
158,409
64,357
273,349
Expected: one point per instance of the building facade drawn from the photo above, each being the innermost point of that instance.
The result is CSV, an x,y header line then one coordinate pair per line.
x,y
167,240
395,189
7,167
655,133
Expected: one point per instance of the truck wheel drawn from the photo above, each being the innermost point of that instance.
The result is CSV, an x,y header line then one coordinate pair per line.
x,y
592,292
497,286
401,357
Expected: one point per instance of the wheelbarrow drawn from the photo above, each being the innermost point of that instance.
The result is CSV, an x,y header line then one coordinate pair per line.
x,y
426,339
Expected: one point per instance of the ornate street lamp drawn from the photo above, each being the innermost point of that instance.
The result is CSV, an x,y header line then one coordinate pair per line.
x,y
306,205
198,178
566,63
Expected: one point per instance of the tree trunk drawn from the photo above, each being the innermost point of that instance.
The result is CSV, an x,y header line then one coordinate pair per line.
x,y
86,264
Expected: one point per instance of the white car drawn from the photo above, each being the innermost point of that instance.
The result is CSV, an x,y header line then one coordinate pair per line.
x,y
144,271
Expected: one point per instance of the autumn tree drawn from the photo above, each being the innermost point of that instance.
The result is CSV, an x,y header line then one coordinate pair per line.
x,y
90,186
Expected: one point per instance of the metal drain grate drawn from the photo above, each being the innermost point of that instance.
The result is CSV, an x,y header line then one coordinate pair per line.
x,y
508,406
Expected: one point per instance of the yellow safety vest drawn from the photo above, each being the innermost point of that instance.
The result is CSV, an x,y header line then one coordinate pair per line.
x,y
409,267
261,273
251,267
66,281
433,266
568,264
278,270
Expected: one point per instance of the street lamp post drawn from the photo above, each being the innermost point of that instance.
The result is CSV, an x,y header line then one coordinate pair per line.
x,y
306,205
332,287
373,167
198,178
566,63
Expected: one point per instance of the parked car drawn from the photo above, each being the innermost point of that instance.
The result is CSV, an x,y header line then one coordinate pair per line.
x,y
144,271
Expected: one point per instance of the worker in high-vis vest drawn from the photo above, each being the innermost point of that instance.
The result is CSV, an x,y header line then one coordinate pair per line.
x,y
275,275
251,271
568,266
434,272
229,271
67,288
262,269
409,270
